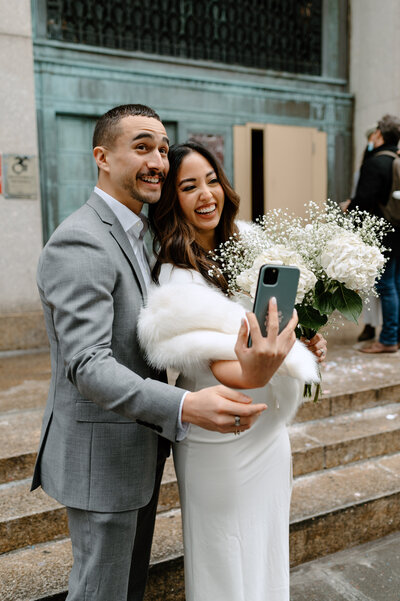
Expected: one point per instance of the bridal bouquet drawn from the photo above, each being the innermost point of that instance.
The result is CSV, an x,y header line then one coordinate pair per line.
x,y
340,257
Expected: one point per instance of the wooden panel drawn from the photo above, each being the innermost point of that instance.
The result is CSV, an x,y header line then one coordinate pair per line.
x,y
287,155
295,167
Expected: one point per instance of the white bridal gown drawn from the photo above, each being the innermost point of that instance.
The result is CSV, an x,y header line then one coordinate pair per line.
x,y
235,490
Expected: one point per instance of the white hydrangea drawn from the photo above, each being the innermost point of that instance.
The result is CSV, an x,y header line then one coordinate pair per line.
x,y
277,255
347,259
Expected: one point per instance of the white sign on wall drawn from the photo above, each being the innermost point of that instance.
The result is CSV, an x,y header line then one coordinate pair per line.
x,y
20,176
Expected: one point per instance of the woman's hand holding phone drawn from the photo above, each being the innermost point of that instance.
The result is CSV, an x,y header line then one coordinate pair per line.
x,y
266,354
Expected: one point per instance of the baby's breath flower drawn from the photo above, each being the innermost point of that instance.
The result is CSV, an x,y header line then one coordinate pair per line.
x,y
328,246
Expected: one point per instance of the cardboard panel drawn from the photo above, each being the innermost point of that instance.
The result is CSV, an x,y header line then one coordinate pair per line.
x,y
288,161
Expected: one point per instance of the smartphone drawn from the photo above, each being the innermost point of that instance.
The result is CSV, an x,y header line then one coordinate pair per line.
x,y
280,281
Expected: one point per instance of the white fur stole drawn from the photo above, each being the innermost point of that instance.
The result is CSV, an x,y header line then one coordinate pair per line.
x,y
187,323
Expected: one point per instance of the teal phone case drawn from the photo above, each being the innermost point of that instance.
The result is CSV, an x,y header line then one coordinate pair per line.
x,y
284,290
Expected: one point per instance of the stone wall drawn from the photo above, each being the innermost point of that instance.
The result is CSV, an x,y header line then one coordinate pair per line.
x,y
374,65
21,221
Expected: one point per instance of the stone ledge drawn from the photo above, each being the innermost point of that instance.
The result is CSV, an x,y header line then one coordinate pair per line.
x,y
22,331
346,438
19,444
30,518
347,402
40,572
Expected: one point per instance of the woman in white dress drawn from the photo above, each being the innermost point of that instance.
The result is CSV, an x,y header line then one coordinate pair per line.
x,y
234,489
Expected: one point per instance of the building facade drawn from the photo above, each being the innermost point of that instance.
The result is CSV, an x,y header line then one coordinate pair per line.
x,y
205,66
20,210
374,73
265,84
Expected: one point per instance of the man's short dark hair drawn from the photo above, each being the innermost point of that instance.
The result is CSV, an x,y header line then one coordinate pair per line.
x,y
389,126
106,130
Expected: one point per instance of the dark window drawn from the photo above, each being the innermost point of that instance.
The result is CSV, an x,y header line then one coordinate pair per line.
x,y
283,35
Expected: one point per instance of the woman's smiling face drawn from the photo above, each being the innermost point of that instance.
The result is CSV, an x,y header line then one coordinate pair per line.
x,y
200,196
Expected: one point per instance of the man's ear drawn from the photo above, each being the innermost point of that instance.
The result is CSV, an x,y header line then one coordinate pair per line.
x,y
100,156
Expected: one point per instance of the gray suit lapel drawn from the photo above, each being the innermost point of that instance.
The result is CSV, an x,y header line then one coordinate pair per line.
x,y
118,233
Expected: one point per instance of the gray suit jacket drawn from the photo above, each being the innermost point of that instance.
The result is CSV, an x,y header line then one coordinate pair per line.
x,y
105,407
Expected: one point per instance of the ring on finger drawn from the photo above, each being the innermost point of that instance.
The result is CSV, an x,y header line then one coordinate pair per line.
x,y
237,421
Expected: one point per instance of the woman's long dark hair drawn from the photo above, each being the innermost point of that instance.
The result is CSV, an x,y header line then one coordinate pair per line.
x,y
174,237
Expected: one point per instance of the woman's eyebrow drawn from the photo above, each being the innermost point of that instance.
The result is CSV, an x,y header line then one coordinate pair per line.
x,y
187,179
193,179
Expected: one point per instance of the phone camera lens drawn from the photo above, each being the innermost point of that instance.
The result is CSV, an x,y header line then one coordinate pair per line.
x,y
270,276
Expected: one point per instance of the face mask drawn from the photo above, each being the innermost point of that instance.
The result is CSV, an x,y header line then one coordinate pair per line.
x,y
370,146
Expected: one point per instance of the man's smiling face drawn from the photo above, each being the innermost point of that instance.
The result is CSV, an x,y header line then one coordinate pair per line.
x,y
136,165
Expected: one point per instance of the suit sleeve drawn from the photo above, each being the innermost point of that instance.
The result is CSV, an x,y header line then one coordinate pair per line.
x,y
76,280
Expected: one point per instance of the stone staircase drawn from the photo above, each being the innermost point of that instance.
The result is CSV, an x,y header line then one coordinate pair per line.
x,y
346,464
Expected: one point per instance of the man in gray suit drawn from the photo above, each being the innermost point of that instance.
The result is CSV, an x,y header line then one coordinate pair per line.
x,y
109,416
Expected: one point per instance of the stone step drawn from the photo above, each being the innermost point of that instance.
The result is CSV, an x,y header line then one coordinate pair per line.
x,y
347,370
24,380
344,506
342,439
169,495
330,405
28,518
19,441
350,381
36,572
31,393
41,571
331,510
316,444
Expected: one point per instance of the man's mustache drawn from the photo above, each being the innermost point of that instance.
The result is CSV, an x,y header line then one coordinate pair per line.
x,y
159,174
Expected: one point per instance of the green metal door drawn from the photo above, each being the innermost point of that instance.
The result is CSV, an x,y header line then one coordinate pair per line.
x,y
76,168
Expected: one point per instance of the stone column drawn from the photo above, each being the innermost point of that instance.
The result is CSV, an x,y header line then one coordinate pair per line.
x,y
21,323
374,65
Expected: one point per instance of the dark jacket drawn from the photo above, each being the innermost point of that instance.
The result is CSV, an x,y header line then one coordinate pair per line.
x,y
373,188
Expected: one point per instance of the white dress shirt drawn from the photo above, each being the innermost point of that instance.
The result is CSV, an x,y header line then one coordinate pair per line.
x,y
135,227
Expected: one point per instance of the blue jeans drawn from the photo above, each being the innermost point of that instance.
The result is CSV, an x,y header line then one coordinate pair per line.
x,y
388,288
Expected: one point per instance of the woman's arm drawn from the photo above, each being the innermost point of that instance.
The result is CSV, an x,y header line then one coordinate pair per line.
x,y
256,365
230,374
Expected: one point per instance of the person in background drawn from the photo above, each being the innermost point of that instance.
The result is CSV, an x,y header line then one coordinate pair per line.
x,y
373,188
371,314
369,134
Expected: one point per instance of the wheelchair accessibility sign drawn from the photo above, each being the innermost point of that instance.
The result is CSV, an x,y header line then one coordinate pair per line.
x,y
20,176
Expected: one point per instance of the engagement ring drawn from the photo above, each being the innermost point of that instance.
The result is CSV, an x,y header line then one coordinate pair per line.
x,y
237,421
